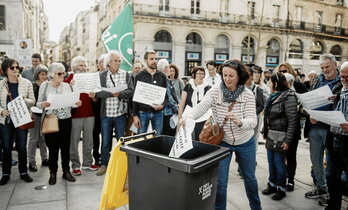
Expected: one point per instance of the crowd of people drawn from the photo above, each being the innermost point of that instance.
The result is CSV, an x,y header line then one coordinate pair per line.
x,y
243,99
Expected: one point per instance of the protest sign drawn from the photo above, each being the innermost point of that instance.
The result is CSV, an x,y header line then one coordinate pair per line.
x,y
315,98
334,118
58,101
149,94
86,82
19,112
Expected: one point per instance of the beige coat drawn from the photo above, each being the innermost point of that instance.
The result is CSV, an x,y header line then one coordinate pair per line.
x,y
25,88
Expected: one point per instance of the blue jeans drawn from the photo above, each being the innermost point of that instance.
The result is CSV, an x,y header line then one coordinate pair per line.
x,y
7,137
276,169
107,125
156,121
246,155
317,137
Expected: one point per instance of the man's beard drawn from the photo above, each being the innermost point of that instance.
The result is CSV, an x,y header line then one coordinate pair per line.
x,y
153,67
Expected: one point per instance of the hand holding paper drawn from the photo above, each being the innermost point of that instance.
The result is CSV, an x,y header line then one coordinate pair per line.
x,y
334,118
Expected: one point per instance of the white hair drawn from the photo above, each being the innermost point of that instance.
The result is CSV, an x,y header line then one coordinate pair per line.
x,y
102,58
289,78
312,72
344,65
326,56
54,67
162,64
75,61
108,57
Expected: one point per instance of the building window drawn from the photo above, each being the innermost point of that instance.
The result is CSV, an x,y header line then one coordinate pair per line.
x,y
164,6
318,18
221,48
337,52
251,6
338,22
272,53
2,18
195,7
339,2
296,49
316,50
276,9
298,14
248,50
163,45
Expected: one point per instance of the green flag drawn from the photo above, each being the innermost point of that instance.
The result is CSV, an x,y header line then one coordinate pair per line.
x,y
119,36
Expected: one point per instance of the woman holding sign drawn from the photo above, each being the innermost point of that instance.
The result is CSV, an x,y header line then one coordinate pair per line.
x,y
233,108
12,86
61,139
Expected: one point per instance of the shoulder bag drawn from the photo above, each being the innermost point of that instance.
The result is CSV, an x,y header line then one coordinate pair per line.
x,y
49,121
275,140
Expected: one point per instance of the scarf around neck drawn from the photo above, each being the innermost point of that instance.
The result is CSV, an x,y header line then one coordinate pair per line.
x,y
198,91
231,96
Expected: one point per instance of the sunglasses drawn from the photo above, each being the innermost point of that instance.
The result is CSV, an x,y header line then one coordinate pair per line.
x,y
61,74
343,77
14,67
234,64
283,71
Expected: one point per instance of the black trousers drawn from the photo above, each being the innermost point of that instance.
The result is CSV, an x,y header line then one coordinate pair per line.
x,y
337,162
291,161
59,141
167,130
96,139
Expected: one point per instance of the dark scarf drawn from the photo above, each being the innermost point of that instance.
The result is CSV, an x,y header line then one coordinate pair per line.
x,y
231,96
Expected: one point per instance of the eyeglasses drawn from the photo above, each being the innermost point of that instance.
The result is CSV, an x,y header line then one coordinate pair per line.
x,y
343,77
61,74
14,67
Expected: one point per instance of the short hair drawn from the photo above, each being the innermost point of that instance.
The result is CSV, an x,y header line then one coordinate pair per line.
x,y
162,64
176,69
66,66
8,63
108,57
54,67
75,61
289,69
326,56
279,82
344,65
101,57
147,53
289,78
39,69
312,72
36,55
257,68
210,62
239,67
195,70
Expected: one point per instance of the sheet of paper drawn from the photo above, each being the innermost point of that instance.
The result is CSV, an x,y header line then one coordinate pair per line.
x,y
86,82
334,118
315,98
116,89
182,142
19,112
133,128
149,94
174,121
35,109
62,100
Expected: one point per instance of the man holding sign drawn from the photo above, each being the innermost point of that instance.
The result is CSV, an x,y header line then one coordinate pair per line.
x,y
143,112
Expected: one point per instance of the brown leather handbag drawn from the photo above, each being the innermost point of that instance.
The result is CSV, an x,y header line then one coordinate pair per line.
x,y
211,133
50,124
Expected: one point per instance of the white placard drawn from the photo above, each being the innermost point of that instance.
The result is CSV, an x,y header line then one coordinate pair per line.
x,y
86,82
334,118
149,94
133,128
116,89
315,98
19,112
58,101
182,142
36,110
173,122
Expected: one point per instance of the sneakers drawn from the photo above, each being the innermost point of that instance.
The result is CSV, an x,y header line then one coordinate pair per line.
x,y
101,171
316,193
269,190
4,179
91,167
67,175
32,167
290,187
76,172
26,178
279,195
44,162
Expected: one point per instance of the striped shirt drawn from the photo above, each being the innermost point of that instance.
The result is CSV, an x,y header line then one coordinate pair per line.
x,y
244,109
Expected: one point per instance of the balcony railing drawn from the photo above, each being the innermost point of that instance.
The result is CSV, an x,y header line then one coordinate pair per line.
x,y
228,18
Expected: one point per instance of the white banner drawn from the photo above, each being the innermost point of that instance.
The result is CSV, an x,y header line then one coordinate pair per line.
x,y
334,118
149,94
86,82
58,101
19,112
315,98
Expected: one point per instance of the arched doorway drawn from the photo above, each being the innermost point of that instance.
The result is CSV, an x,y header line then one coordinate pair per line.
x,y
296,49
221,49
193,54
272,54
336,50
163,45
316,50
248,48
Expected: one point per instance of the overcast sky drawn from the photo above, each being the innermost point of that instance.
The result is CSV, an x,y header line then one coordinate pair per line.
x,y
62,12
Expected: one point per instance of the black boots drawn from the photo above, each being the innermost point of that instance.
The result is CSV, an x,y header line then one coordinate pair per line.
x,y
279,195
67,175
53,179
269,190
26,178
4,179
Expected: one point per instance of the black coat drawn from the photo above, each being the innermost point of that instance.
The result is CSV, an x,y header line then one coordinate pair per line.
x,y
282,115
